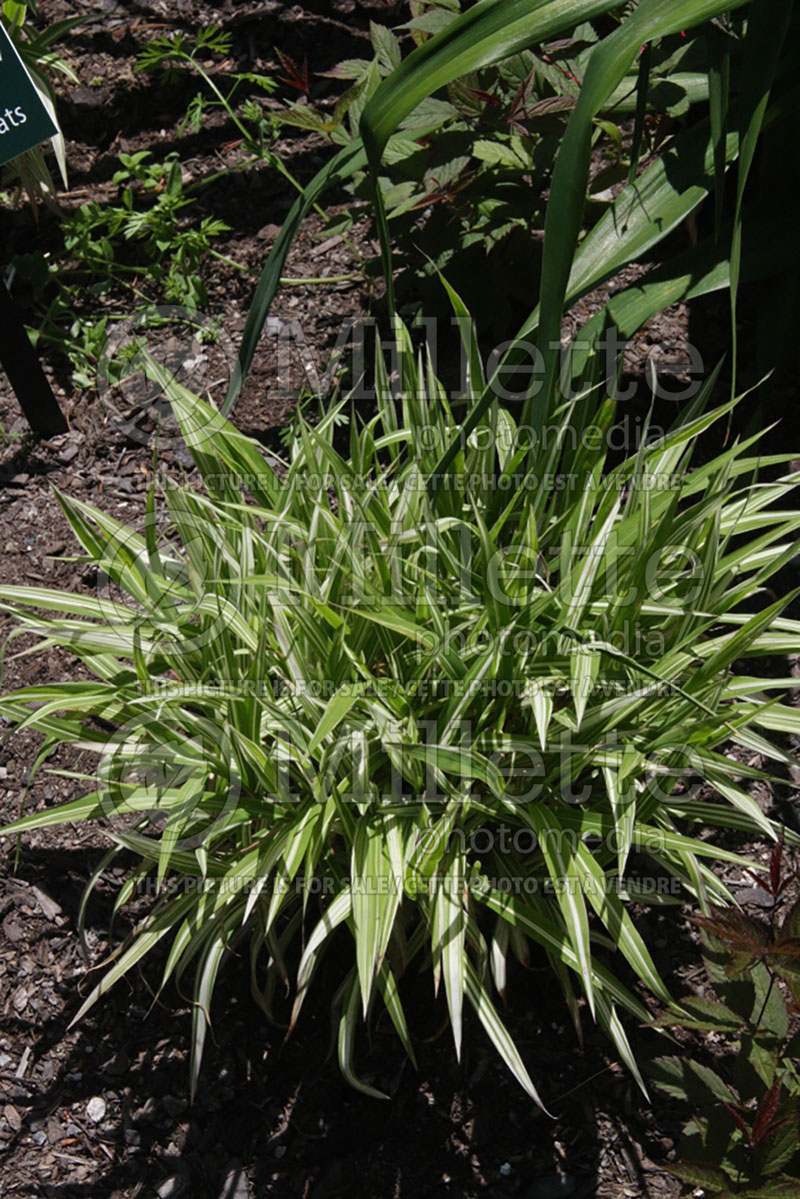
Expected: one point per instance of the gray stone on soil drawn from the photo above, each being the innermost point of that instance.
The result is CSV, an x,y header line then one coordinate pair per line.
x,y
96,1109
55,1131
755,895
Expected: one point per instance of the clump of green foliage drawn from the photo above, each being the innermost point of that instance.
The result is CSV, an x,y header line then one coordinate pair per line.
x,y
465,178
180,54
167,250
329,694
324,699
649,59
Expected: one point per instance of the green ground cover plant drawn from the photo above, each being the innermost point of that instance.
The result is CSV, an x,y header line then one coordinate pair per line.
x,y
132,255
169,57
145,248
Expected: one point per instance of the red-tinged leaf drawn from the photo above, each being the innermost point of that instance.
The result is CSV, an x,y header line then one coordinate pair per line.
x,y
760,882
785,881
520,97
296,77
766,1112
486,97
742,1126
736,929
774,1126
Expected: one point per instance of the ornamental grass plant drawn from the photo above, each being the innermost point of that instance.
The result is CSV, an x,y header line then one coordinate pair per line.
x,y
433,701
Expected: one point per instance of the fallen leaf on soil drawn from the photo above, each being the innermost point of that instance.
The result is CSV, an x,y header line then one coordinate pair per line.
x,y
49,906
12,1117
20,998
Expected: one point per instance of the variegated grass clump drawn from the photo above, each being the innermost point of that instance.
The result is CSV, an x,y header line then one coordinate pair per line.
x,y
434,702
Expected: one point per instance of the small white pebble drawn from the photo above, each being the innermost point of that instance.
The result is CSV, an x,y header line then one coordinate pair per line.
x,y
505,1169
96,1109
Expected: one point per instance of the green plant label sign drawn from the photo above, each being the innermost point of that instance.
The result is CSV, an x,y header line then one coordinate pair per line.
x,y
24,119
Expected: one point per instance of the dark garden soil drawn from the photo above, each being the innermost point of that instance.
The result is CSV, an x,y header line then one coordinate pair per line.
x,y
101,1109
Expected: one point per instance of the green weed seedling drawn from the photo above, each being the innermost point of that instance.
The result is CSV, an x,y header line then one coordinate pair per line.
x,y
144,247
